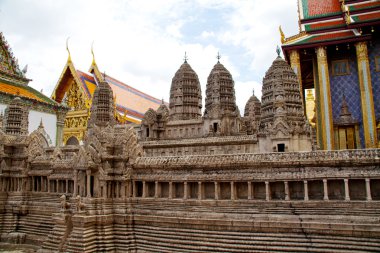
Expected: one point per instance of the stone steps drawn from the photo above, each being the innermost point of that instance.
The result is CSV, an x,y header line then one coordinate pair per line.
x,y
150,238
8,222
35,224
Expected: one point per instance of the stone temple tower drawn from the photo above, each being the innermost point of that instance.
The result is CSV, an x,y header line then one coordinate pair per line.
x,y
185,94
252,114
103,108
16,118
283,125
221,110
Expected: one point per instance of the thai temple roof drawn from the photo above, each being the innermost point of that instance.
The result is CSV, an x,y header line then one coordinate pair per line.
x,y
12,80
332,21
128,101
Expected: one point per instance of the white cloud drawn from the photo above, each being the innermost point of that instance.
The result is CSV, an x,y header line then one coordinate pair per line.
x,y
207,34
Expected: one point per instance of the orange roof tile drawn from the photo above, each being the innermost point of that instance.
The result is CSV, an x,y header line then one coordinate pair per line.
x,y
320,8
24,91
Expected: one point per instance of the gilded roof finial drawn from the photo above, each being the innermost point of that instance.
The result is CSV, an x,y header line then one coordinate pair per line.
x,y
218,56
92,52
185,58
278,50
67,48
282,35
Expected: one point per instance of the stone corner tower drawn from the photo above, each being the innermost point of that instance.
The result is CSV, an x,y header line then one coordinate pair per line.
x,y
283,125
16,116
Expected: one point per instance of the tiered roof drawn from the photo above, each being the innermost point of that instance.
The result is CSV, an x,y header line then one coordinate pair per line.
x,y
129,101
333,21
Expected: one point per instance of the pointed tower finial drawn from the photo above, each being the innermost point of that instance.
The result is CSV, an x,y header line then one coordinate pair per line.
x,y
218,56
253,91
162,101
41,124
92,52
185,58
67,48
282,35
278,50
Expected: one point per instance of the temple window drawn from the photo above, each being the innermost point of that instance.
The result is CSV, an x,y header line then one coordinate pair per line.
x,y
281,147
340,67
147,132
215,127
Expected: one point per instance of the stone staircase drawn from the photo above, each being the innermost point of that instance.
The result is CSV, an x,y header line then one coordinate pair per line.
x,y
153,239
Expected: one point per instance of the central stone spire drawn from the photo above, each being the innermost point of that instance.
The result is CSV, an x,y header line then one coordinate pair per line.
x,y
185,94
220,93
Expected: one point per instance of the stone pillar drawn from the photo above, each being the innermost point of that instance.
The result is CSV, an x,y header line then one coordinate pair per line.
x,y
57,185
249,190
324,103
346,190
287,194
296,66
217,190
200,195
144,189
134,190
48,186
156,195
123,189
33,184
368,189
368,109
233,192
67,186
104,189
306,191
75,183
88,173
130,188
325,190
185,191
60,124
267,191
170,190
117,189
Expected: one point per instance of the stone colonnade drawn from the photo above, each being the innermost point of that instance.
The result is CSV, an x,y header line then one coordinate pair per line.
x,y
306,190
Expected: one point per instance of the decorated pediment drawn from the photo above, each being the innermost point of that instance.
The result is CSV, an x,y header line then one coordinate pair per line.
x,y
69,89
8,62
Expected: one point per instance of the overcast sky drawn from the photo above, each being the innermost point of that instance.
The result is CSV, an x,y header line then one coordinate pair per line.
x,y
142,43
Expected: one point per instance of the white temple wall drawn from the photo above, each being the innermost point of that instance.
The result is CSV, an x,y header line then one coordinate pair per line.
x,y
48,120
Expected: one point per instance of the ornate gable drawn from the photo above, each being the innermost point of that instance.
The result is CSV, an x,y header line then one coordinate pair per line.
x,y
69,88
9,69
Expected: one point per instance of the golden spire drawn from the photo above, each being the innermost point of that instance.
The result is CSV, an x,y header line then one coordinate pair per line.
x,y
92,52
67,48
282,35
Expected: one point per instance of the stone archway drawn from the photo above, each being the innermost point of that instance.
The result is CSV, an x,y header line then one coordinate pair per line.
x,y
72,141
